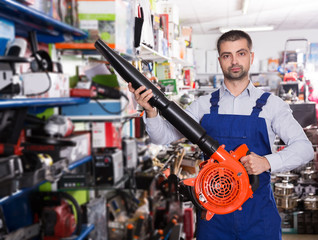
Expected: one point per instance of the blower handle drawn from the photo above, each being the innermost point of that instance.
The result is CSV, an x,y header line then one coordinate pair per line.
x,y
237,154
254,179
192,130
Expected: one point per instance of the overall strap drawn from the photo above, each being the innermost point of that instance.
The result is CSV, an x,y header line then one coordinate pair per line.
x,y
214,100
259,104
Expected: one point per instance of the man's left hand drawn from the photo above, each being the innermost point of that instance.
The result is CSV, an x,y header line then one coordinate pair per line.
x,y
255,164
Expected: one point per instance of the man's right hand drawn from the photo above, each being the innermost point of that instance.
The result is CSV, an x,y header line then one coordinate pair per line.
x,y
143,98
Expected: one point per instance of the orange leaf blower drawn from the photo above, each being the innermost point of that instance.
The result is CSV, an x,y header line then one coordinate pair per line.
x,y
222,185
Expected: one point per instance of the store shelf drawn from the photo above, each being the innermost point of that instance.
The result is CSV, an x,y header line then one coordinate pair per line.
x,y
182,62
104,118
146,53
79,162
40,102
86,229
77,46
27,19
21,192
87,49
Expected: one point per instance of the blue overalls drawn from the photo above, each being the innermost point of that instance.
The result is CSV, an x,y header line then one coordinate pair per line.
x,y
259,218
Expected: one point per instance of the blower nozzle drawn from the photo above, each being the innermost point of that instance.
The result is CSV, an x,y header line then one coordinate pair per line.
x,y
193,131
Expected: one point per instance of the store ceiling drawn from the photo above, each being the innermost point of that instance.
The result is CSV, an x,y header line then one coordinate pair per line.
x,y
207,16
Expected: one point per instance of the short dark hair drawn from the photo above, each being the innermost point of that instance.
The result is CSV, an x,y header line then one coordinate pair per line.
x,y
234,35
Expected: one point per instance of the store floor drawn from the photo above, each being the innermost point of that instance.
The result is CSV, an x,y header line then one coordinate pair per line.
x,y
299,237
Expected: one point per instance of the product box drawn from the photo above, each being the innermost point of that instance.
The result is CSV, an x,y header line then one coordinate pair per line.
x,y
173,32
101,108
164,18
130,152
189,57
186,33
106,135
170,85
110,20
175,49
190,165
165,70
188,77
45,85
98,19
71,153
273,64
171,9
81,150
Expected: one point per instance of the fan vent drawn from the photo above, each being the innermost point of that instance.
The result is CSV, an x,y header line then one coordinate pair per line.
x,y
221,186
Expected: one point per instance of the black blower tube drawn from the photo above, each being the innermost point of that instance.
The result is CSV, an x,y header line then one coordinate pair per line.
x,y
193,131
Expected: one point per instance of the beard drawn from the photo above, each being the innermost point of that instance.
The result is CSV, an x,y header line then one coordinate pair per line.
x,y
235,76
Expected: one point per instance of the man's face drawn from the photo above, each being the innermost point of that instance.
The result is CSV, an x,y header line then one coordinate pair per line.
x,y
235,59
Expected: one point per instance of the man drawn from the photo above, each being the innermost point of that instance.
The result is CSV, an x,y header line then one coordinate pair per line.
x,y
240,113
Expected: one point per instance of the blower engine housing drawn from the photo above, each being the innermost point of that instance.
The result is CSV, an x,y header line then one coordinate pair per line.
x,y
222,184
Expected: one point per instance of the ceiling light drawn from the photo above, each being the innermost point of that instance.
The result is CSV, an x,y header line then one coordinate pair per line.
x,y
245,6
247,29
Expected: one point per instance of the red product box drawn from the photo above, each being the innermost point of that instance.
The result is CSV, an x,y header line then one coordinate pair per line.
x,y
106,135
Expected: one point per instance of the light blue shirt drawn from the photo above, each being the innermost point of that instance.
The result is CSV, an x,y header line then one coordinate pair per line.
x,y
276,112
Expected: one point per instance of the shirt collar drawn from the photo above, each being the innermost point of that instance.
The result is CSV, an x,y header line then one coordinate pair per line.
x,y
248,90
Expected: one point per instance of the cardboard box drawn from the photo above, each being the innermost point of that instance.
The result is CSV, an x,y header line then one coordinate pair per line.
x,y
81,150
170,85
106,135
53,85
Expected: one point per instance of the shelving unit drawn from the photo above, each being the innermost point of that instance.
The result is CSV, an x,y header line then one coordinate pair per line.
x,y
24,190
21,197
104,118
27,19
40,102
181,62
146,53
84,51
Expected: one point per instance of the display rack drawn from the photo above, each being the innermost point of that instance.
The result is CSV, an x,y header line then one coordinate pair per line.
x,y
146,53
27,19
180,61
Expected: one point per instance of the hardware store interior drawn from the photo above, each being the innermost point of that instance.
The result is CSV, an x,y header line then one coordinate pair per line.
x,y
79,159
